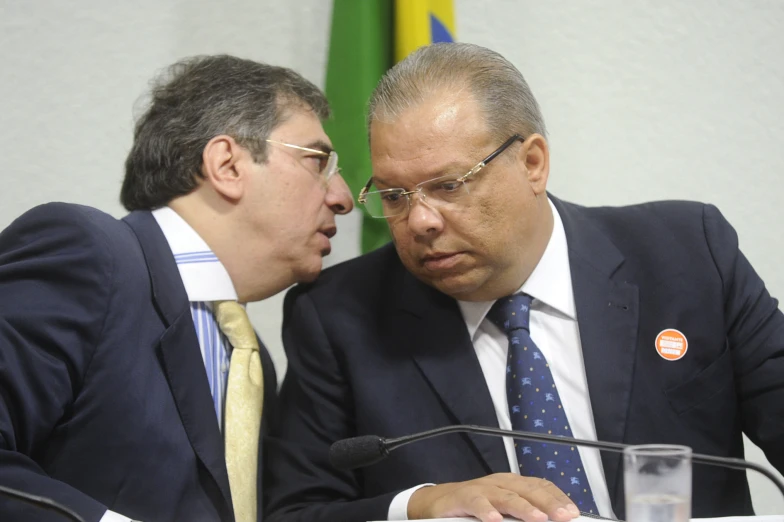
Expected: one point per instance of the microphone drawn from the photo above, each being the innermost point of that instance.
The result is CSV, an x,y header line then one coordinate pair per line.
x,y
358,452
41,502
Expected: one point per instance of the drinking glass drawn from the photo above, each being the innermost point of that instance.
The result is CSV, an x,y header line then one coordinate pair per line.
x,y
657,483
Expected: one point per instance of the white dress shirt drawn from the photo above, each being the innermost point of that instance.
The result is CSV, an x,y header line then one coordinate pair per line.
x,y
205,280
555,331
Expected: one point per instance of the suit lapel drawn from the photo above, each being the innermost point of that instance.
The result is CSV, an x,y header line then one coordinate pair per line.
x,y
180,352
445,355
607,313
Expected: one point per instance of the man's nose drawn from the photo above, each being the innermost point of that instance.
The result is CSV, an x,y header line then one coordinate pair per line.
x,y
423,219
338,197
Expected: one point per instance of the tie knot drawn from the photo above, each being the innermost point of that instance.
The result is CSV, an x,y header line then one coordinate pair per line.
x,y
511,313
234,323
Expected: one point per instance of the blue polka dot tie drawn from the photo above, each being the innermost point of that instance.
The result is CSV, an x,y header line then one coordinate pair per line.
x,y
534,405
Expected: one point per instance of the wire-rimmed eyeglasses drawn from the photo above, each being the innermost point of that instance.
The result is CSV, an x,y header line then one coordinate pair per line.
x,y
328,161
441,191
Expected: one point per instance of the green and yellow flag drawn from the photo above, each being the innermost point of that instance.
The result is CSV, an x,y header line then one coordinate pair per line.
x,y
368,37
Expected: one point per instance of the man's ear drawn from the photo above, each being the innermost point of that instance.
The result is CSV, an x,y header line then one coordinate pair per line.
x,y
222,161
536,155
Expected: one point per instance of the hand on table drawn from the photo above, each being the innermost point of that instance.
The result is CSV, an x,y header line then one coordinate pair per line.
x,y
490,498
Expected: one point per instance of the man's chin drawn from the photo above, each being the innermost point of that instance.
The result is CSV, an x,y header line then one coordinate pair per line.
x,y
310,273
459,286
308,277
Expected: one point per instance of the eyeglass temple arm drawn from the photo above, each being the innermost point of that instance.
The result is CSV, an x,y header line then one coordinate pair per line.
x,y
482,164
306,149
502,148
363,193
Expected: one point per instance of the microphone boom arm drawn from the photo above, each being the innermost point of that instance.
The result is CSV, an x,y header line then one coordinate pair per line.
x,y
727,462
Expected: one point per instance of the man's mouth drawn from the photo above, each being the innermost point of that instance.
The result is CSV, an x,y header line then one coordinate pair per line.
x,y
329,231
441,260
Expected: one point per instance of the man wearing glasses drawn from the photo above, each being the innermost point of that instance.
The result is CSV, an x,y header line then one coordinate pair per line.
x,y
107,326
499,305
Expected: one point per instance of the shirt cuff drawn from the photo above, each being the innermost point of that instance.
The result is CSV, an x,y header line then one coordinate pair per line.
x,y
111,516
398,509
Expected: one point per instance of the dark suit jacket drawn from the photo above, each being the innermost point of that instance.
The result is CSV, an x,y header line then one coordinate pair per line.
x,y
374,351
104,400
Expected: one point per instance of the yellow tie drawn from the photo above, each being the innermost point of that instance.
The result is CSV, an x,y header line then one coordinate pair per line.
x,y
244,400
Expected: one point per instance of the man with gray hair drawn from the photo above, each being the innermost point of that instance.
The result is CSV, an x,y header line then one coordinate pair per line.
x,y
498,304
131,381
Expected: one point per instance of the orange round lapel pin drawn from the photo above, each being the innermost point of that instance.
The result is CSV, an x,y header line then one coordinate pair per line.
x,y
671,344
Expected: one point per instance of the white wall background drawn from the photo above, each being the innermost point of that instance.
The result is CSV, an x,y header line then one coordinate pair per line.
x,y
644,100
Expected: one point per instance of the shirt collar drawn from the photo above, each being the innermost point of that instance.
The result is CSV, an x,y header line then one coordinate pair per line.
x,y
550,283
203,275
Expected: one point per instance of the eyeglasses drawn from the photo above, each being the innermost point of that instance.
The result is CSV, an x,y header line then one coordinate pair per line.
x,y
439,192
327,161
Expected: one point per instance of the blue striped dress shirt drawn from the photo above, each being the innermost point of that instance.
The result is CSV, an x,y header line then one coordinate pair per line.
x,y
205,280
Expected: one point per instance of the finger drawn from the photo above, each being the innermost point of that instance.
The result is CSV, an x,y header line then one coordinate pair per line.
x,y
510,503
466,499
543,495
480,507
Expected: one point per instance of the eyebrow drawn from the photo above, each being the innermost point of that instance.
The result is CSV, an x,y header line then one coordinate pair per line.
x,y
320,145
378,181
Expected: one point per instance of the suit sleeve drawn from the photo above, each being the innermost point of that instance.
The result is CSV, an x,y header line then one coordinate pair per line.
x,y
315,411
54,286
755,336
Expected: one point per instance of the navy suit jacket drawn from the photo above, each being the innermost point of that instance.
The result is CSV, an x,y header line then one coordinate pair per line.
x,y
374,351
104,399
